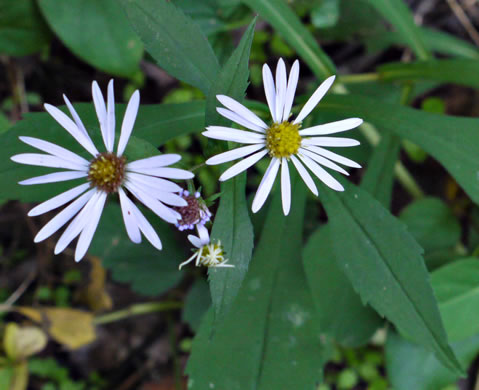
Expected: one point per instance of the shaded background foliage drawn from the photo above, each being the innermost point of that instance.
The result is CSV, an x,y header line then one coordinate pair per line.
x,y
400,243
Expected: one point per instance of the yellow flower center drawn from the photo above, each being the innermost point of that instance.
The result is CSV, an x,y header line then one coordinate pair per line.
x,y
283,139
107,172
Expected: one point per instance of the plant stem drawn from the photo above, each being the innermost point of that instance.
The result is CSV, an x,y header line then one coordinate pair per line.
x,y
135,310
358,78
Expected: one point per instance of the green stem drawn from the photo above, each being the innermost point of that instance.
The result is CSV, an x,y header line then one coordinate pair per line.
x,y
358,78
135,310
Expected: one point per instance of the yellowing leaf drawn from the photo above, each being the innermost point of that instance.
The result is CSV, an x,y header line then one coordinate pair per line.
x,y
22,342
95,295
73,328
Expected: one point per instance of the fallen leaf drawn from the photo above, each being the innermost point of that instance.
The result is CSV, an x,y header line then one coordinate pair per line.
x,y
22,342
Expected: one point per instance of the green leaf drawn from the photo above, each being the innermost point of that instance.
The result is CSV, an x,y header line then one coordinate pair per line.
x,y
174,41
399,15
22,29
269,339
232,225
205,13
149,271
155,123
385,266
451,140
340,310
432,223
97,32
197,303
379,177
411,367
457,291
461,71
285,21
325,14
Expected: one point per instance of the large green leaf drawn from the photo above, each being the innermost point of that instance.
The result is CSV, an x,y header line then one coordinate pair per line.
x,y
411,367
232,225
399,15
461,71
149,271
197,303
341,313
22,29
155,123
432,223
287,23
457,290
174,41
385,266
269,339
454,141
379,177
97,32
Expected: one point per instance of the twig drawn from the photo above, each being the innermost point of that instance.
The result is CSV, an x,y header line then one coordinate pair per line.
x,y
464,20
21,289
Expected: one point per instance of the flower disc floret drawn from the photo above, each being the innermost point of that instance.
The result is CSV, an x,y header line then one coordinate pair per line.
x,y
107,172
283,139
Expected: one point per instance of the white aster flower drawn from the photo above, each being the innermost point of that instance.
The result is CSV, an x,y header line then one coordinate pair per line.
x,y
105,173
207,253
283,141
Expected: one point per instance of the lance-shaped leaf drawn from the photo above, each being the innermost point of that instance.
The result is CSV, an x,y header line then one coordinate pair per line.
x,y
269,339
287,23
461,71
341,313
174,40
385,265
399,15
379,177
232,225
454,141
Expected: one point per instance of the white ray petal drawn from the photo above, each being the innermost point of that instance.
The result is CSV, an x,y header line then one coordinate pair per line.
x,y
332,127
285,186
54,150
78,224
72,128
315,99
330,141
291,90
128,121
241,110
164,212
229,134
154,162
270,91
100,109
77,119
321,173
63,216
146,227
280,89
195,241
45,160
308,180
131,224
58,200
169,173
266,184
239,120
233,154
169,198
154,182
54,177
203,234
333,156
323,161
242,165
110,118
89,230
